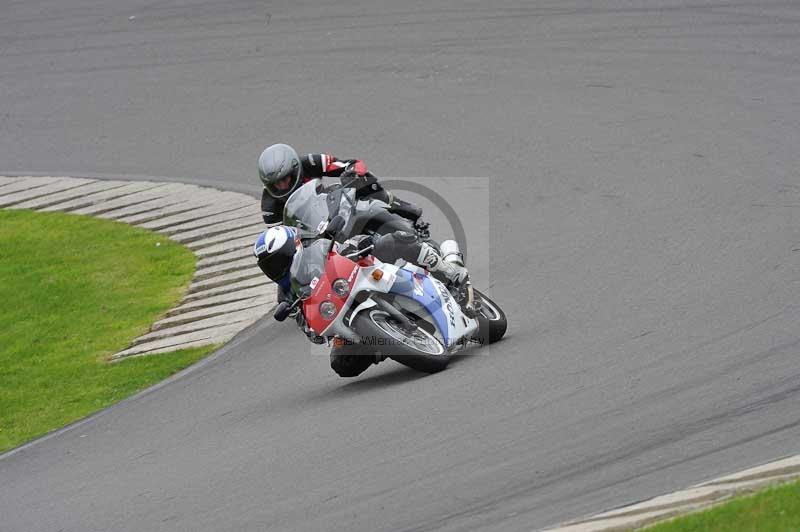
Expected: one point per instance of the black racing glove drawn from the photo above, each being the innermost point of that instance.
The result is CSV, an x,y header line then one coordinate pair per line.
x,y
422,229
364,183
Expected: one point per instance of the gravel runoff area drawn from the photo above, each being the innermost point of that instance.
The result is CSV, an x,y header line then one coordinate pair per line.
x,y
695,498
228,292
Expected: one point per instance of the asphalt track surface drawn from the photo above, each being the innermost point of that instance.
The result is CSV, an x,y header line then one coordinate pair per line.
x,y
645,228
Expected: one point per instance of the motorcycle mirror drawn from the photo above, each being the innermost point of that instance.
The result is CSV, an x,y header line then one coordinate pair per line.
x,y
335,225
282,311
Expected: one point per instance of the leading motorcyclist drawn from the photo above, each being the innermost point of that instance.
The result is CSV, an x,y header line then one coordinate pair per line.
x,y
282,172
275,250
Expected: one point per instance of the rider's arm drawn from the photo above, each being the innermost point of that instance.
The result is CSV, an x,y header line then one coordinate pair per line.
x,y
325,164
271,209
405,209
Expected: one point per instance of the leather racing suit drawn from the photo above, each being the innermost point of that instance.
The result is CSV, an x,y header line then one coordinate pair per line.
x,y
315,165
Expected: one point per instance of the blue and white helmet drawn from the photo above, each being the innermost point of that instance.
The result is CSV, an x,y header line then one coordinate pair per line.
x,y
275,250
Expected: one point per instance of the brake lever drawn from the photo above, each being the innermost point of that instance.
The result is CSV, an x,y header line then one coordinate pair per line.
x,y
361,252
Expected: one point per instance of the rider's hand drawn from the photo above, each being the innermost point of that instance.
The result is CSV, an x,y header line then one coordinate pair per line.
x,y
359,168
355,169
422,229
365,245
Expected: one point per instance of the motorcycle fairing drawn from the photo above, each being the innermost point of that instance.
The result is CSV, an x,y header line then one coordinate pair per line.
x,y
336,267
436,300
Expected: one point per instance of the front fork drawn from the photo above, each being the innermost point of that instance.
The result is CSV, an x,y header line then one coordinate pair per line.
x,y
405,323
471,306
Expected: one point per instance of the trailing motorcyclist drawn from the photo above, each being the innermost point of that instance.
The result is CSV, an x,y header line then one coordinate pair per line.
x,y
282,171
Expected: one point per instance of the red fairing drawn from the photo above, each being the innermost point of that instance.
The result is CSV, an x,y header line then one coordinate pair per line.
x,y
311,305
337,267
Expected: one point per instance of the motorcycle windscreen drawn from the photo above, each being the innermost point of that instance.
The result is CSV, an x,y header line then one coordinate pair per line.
x,y
308,267
307,208
342,202
438,302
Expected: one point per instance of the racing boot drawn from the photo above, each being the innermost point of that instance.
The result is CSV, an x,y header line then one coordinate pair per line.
x,y
404,245
458,282
454,274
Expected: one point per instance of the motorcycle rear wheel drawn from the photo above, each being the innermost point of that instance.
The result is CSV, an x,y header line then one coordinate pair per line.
x,y
417,349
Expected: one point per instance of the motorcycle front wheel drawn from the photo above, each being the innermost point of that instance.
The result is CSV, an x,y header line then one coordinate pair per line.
x,y
415,348
492,319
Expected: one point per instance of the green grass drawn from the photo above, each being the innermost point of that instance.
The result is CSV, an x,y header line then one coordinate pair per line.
x,y
73,291
775,509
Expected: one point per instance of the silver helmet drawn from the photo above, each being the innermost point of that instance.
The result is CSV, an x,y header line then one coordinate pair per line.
x,y
279,169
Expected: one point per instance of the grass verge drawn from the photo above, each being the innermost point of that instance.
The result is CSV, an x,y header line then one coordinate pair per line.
x,y
776,509
73,291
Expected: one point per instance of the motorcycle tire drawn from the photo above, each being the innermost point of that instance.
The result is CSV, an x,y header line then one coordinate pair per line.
x,y
491,319
419,349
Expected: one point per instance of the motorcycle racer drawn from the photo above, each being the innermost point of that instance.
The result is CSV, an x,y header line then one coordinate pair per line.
x,y
275,248
281,171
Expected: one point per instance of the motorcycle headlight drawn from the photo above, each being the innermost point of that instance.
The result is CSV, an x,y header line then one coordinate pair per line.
x,y
341,287
327,310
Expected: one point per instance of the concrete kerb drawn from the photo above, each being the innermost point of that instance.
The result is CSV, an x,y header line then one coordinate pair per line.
x,y
208,324
71,194
223,268
228,292
246,213
222,299
233,288
25,183
40,190
692,499
102,195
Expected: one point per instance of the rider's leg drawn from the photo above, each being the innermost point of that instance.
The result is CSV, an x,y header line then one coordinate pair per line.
x,y
406,246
